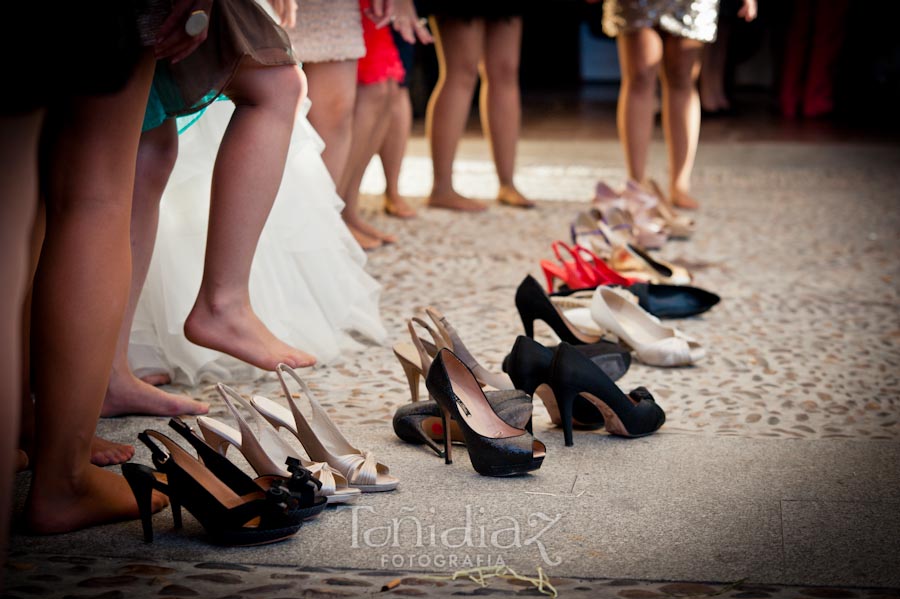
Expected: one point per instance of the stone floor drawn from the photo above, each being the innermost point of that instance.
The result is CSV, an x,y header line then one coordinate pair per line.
x,y
800,241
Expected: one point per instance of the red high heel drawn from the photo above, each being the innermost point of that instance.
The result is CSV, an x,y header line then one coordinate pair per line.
x,y
573,273
602,272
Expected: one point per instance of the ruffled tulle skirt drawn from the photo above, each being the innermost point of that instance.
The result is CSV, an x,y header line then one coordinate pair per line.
x,y
307,283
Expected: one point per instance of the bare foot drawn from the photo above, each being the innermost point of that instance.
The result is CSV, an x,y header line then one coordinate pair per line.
x,y
365,241
60,504
454,201
128,394
237,331
107,453
683,199
510,196
361,226
397,206
156,378
21,461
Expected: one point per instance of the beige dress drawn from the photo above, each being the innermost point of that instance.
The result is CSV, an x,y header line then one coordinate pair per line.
x,y
693,19
328,30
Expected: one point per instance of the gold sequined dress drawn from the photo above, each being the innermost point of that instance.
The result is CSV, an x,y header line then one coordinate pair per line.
x,y
328,30
693,19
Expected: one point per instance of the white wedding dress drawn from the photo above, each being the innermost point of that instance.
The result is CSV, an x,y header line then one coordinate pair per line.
x,y
307,283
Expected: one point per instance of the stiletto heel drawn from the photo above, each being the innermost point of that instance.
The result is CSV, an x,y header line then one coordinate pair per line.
x,y
412,372
572,376
495,447
565,413
448,444
176,512
141,479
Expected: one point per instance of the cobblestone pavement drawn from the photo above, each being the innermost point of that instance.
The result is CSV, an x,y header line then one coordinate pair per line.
x,y
801,243
70,577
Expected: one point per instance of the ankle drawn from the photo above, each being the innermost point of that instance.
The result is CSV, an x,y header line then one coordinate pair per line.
x,y
220,303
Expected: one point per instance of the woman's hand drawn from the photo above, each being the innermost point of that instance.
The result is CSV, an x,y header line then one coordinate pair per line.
x,y
286,11
408,24
173,41
380,12
748,10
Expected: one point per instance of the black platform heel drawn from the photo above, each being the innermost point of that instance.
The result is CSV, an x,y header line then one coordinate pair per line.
x,y
230,519
573,376
301,484
495,448
420,422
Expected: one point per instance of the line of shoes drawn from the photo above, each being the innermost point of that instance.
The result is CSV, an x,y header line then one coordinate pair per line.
x,y
606,284
290,487
491,412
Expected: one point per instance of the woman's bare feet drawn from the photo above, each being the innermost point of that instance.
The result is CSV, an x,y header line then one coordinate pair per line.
x,y
366,242
237,331
361,226
107,453
60,504
682,199
397,206
510,196
127,394
454,201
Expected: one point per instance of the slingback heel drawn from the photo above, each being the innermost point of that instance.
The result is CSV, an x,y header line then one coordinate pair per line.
x,y
321,438
300,482
572,376
228,518
141,480
265,450
495,448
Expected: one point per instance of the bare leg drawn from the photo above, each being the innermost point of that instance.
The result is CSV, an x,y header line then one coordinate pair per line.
x,y
640,54
87,253
18,182
392,151
459,45
127,394
103,452
681,114
712,75
332,90
370,123
246,178
501,109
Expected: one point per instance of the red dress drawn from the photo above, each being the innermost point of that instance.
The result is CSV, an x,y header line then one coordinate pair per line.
x,y
382,61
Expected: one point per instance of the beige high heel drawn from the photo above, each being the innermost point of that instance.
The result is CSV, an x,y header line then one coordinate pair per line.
x,y
628,260
321,438
266,451
485,377
415,357
653,343
680,226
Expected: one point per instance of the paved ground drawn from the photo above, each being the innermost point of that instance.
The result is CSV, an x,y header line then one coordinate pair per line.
x,y
779,463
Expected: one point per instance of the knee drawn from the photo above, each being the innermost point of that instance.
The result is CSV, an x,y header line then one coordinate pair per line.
x,y
288,85
503,73
381,92
158,149
641,80
463,74
681,77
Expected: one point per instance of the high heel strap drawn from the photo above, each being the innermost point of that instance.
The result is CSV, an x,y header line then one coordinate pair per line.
x,y
482,374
